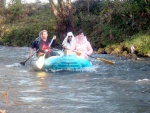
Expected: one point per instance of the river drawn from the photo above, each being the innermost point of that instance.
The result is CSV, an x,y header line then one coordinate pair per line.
x,y
120,88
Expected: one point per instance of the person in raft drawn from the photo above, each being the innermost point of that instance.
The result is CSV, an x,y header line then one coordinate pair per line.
x,y
44,44
82,45
35,44
69,41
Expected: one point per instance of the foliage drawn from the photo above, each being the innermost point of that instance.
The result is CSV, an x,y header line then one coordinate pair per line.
x,y
21,32
141,41
15,12
105,22
63,14
112,21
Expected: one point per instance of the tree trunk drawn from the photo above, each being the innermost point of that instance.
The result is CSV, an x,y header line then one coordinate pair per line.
x,y
88,6
2,3
15,1
2,17
63,14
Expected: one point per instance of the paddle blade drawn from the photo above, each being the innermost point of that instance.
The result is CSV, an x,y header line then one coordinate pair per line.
x,y
106,61
22,63
78,53
68,52
40,62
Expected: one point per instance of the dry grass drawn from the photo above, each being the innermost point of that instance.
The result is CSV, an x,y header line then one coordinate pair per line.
x,y
5,95
3,111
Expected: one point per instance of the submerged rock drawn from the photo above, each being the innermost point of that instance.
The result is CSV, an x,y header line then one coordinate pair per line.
x,y
132,56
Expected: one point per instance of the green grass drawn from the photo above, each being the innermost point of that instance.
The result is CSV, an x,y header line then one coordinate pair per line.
x,y
141,42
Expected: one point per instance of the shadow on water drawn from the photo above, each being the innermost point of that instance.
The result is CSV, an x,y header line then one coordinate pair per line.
x,y
120,88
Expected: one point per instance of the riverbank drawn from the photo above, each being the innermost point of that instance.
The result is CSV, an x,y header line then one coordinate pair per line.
x,y
119,52
138,44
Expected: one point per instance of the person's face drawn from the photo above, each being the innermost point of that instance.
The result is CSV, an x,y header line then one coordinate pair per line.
x,y
44,35
69,38
81,35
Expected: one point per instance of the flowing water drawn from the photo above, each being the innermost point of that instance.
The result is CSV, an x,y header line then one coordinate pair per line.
x,y
120,88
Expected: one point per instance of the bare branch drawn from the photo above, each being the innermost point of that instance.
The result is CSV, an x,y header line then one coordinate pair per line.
x,y
53,7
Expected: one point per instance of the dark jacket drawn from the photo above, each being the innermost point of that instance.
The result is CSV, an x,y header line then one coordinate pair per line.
x,y
35,43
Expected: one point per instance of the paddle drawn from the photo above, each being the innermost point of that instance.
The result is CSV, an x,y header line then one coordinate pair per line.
x,y
40,61
101,59
23,63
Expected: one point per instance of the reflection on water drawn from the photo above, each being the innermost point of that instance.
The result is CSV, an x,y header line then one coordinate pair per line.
x,y
31,99
119,88
41,75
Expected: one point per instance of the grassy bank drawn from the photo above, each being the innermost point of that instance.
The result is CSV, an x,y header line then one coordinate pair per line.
x,y
140,41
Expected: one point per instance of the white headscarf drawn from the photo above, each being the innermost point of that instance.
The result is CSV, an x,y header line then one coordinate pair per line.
x,y
72,42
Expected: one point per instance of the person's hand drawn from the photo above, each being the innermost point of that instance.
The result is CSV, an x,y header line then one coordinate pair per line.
x,y
54,37
46,51
64,46
83,55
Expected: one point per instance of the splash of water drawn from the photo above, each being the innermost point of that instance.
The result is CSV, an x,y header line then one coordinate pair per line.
x,y
14,65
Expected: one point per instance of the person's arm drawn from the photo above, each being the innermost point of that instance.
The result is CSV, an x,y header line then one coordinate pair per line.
x,y
31,51
40,47
64,43
32,47
90,49
54,41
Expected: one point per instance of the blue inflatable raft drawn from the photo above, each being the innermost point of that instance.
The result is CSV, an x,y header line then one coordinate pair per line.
x,y
66,62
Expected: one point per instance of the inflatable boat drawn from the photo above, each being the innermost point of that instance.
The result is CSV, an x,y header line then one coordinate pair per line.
x,y
68,61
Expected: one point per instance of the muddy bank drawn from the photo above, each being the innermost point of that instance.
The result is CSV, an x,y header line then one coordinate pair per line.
x,y
130,52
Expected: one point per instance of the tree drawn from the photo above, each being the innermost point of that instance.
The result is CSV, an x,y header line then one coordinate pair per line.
x,y
16,11
2,3
15,1
63,13
2,17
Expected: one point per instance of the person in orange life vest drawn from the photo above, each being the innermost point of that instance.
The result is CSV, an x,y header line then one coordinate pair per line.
x,y
44,44
83,45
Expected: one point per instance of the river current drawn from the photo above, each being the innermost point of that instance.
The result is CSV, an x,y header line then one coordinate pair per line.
x,y
120,88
